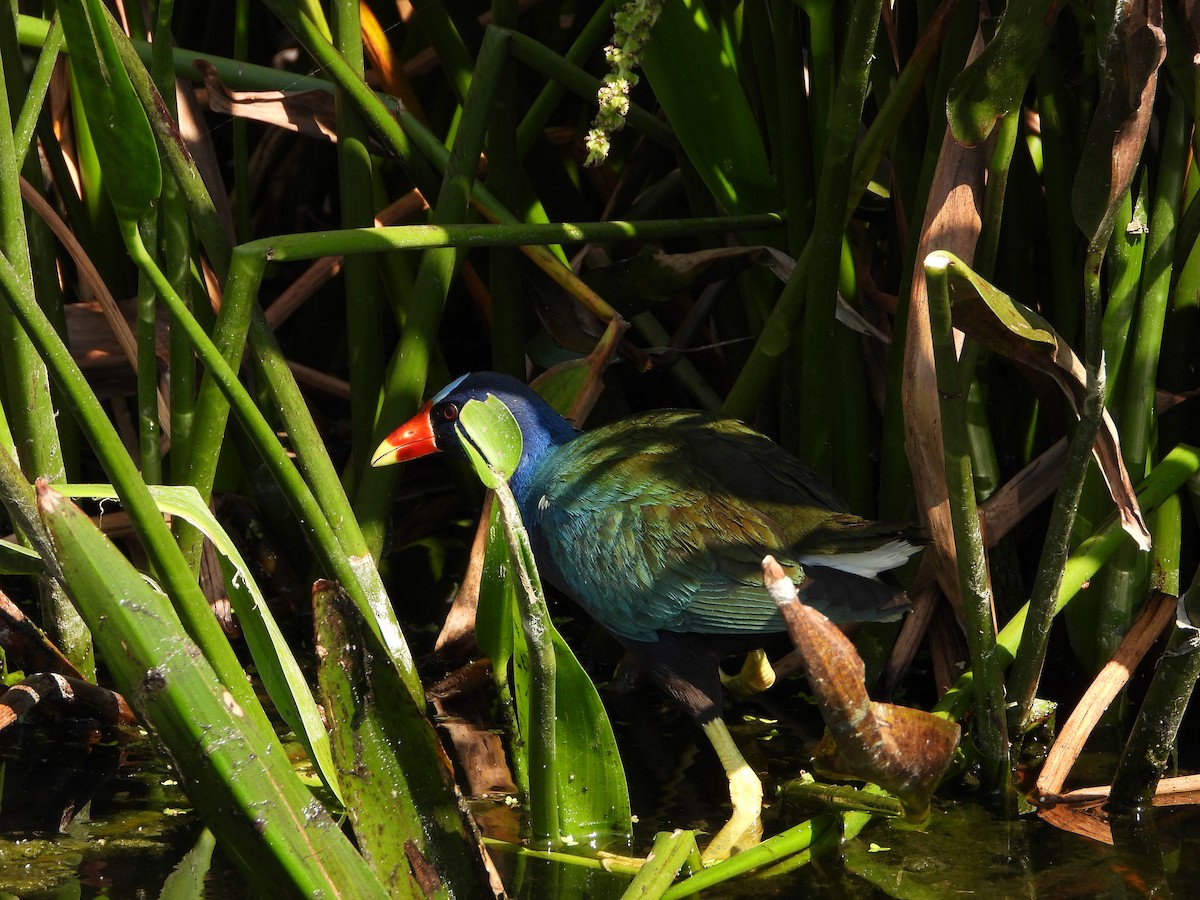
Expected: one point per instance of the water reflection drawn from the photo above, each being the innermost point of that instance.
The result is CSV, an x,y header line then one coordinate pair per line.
x,y
82,813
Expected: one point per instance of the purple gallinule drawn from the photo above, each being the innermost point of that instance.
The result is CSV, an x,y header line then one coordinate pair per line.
x,y
657,526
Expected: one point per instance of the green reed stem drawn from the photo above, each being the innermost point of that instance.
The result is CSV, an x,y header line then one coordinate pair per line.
x,y
30,407
36,90
408,369
365,307
1031,654
353,573
820,396
776,335
990,724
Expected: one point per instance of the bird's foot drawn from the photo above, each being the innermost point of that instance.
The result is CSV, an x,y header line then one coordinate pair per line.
x,y
744,828
756,675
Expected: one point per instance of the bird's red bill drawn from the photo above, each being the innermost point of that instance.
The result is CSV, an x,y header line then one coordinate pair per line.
x,y
411,440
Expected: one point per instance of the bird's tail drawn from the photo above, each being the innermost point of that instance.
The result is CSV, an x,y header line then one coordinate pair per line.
x,y
859,546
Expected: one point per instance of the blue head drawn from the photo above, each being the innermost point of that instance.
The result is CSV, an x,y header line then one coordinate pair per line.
x,y
433,428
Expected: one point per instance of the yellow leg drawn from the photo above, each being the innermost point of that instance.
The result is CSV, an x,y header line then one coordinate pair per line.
x,y
744,828
756,675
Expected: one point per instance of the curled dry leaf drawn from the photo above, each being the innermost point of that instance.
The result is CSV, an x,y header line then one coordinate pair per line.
x,y
1137,47
1016,332
306,112
905,751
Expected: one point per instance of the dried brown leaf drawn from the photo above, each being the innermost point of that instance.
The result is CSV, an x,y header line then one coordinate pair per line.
x,y
1082,811
1156,615
305,112
1136,49
456,640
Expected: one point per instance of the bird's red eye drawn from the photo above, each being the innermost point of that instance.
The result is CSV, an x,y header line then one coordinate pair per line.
x,y
448,411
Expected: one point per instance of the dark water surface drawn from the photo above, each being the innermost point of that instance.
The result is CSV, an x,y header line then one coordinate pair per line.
x,y
84,817
132,827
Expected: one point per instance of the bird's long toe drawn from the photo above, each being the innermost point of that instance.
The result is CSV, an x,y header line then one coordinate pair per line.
x,y
755,676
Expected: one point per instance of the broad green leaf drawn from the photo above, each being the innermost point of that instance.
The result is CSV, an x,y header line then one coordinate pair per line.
x,y
498,633
992,86
562,384
119,127
693,71
277,666
572,387
491,437
235,771
593,796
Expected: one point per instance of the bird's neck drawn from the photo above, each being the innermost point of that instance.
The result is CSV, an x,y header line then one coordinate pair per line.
x,y
542,432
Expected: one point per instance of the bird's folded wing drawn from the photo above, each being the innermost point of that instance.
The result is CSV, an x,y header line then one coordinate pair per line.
x,y
638,567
